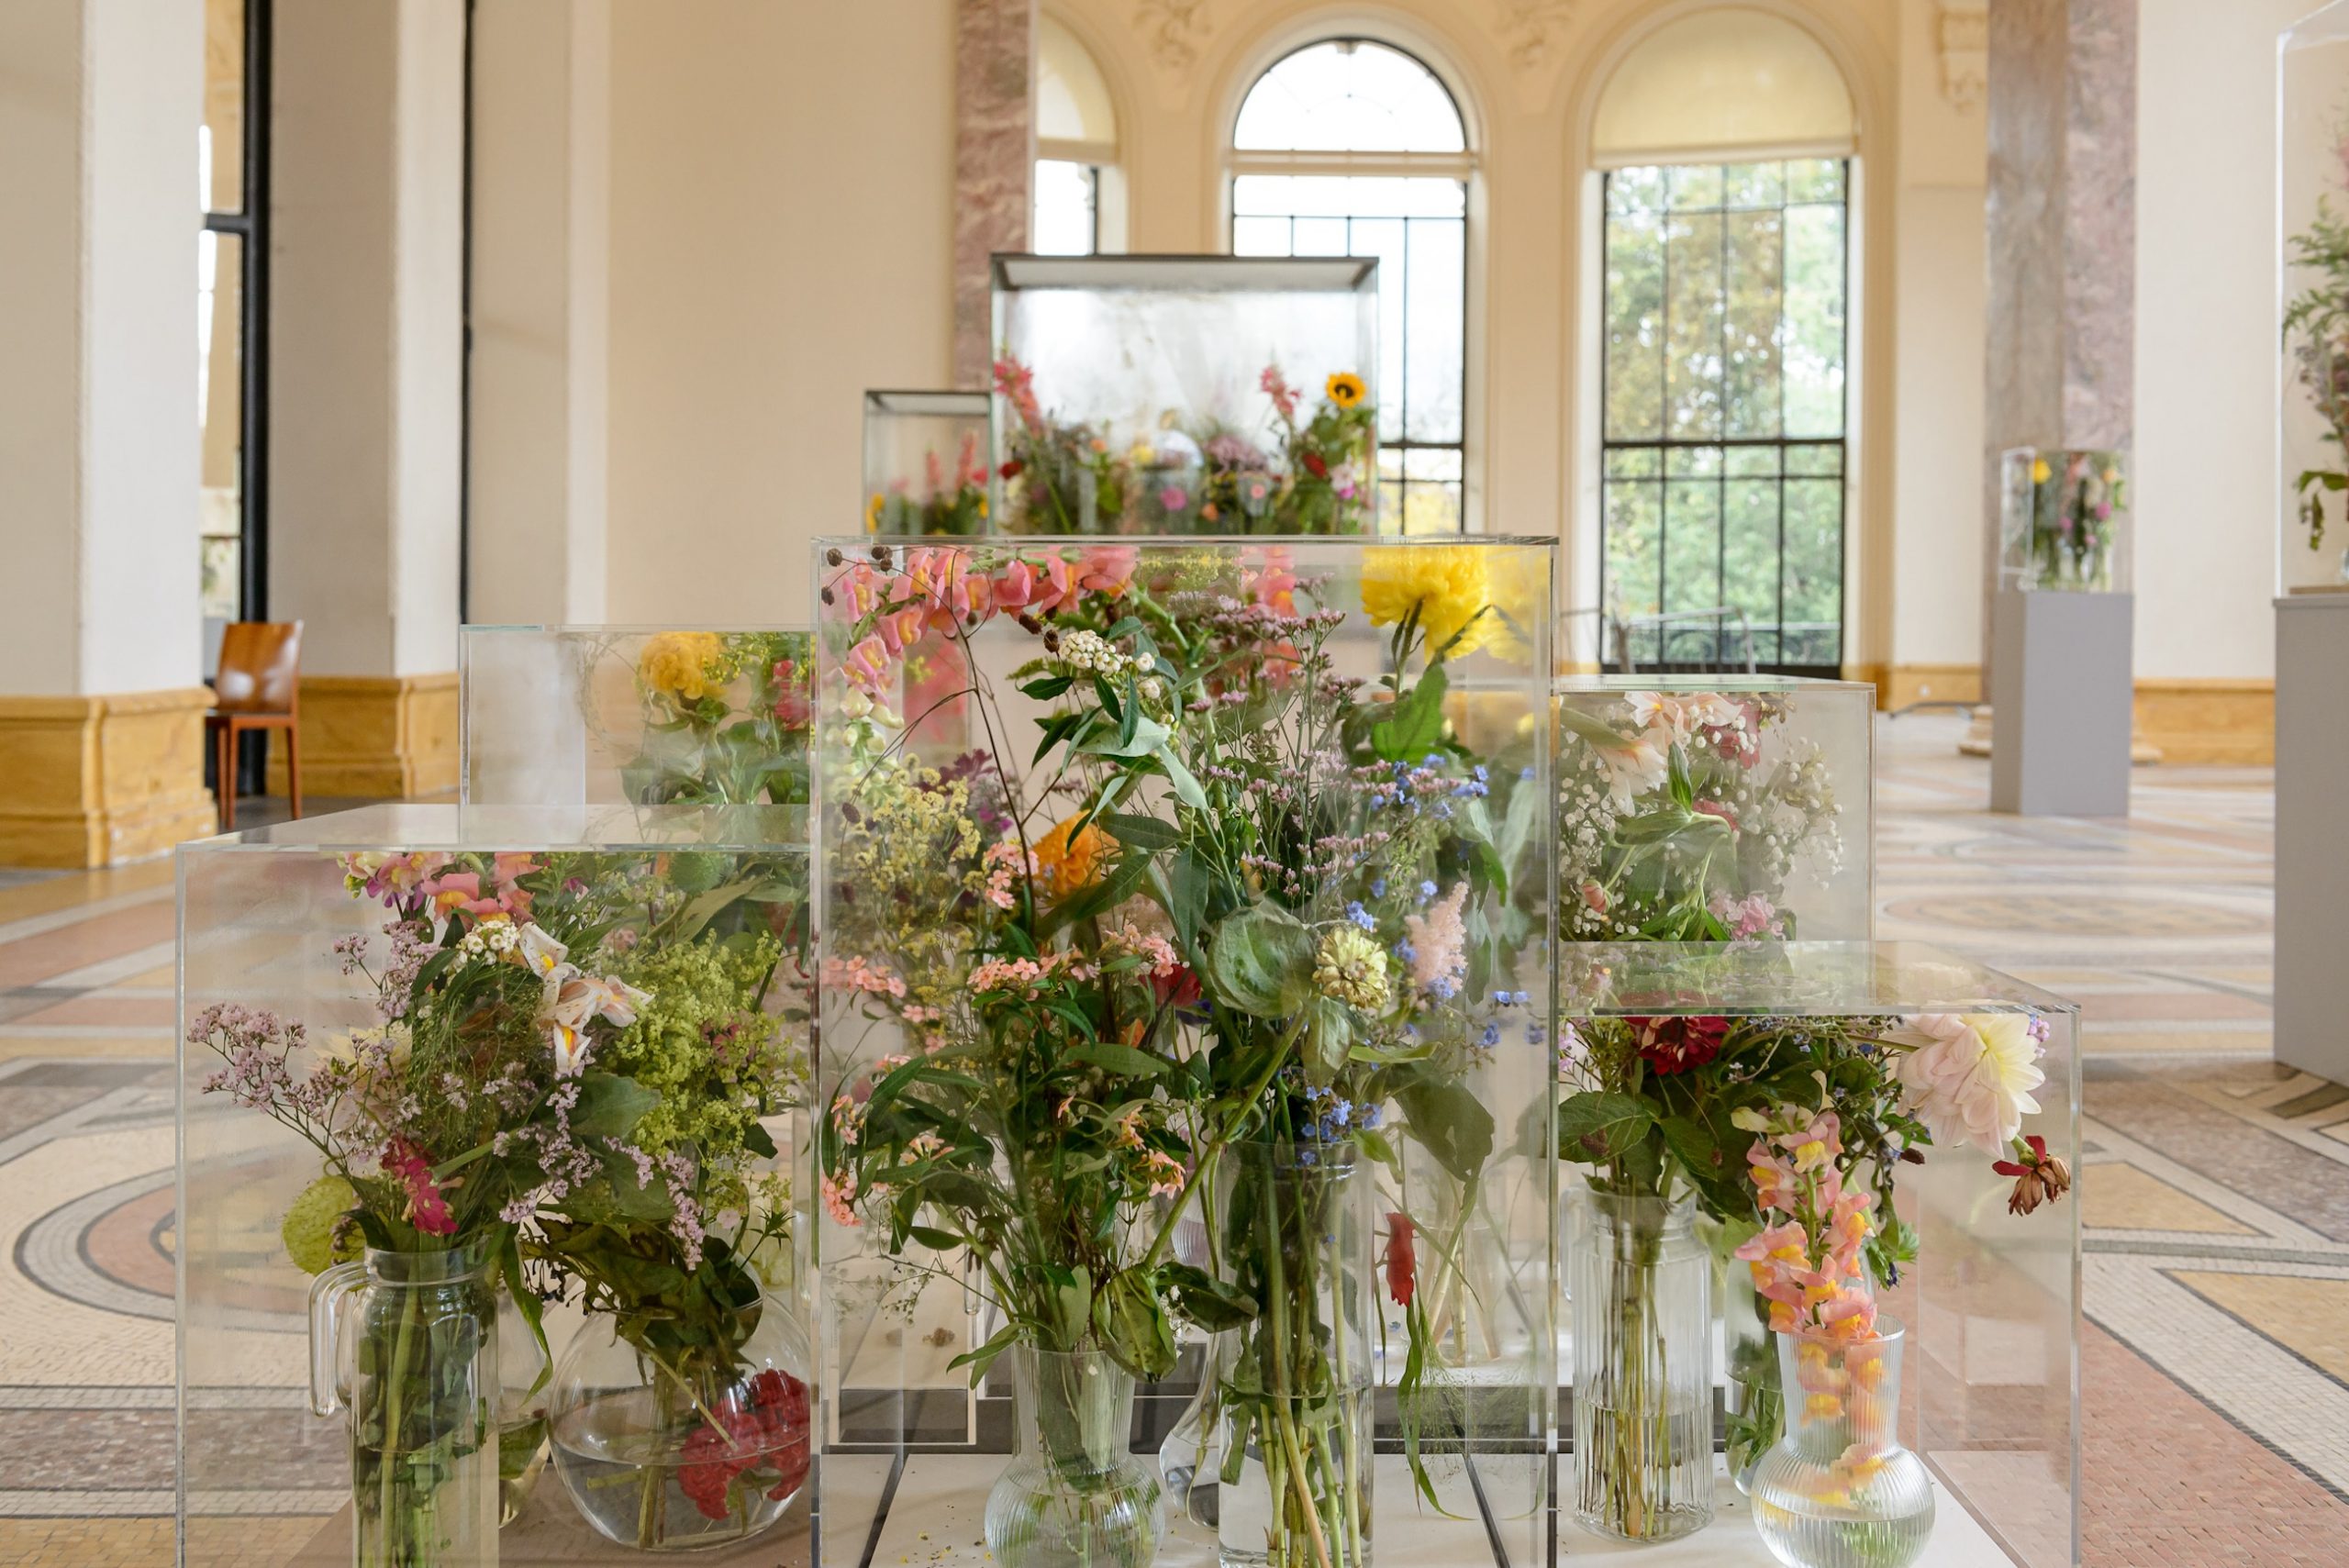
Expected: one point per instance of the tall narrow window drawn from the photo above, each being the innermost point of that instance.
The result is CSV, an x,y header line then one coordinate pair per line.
x,y
1078,191
1723,450
232,256
1350,148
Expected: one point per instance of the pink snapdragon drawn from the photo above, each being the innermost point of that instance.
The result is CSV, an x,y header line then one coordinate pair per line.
x,y
427,1209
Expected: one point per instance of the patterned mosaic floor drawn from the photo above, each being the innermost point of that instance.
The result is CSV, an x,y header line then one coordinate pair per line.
x,y
2217,1365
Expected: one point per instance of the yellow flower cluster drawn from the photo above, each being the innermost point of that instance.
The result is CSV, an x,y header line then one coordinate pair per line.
x,y
1066,864
688,665
1450,587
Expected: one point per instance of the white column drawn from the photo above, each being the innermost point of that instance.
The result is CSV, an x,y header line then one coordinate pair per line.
x,y
366,338
541,314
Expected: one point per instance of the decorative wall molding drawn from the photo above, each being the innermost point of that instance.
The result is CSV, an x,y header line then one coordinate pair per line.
x,y
1961,44
1174,31
1531,30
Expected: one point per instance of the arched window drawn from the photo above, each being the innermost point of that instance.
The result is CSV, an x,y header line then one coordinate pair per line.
x,y
1725,142
1079,198
1352,148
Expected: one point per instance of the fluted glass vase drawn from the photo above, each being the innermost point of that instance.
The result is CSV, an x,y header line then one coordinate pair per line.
x,y
1641,1291
1838,1491
1075,1496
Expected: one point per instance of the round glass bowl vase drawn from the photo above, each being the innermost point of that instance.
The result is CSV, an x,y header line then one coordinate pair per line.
x,y
1838,1490
674,1453
1075,1495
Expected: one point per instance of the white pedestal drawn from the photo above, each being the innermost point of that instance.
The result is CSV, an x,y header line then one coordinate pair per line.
x,y
2061,701
2311,842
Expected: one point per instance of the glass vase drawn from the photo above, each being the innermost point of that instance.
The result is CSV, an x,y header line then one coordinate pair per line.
x,y
1075,1496
408,1342
669,1452
1295,1399
1838,1490
526,1384
1754,1408
1641,1291
1191,1457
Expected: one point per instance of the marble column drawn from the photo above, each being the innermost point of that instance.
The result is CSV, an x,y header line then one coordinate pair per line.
x,y
995,158
366,367
541,310
101,694
2062,241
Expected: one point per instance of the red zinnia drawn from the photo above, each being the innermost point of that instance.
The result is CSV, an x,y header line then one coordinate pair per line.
x,y
769,1433
1317,465
1676,1044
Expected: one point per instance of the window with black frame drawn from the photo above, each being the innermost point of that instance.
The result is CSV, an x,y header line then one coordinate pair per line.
x,y
1724,433
231,313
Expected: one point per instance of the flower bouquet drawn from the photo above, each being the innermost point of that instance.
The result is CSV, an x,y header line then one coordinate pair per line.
x,y
1216,914
2316,336
2064,520
1709,813
1309,476
952,506
725,719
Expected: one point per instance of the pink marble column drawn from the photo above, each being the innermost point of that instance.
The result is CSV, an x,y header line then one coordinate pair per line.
x,y
994,155
2062,230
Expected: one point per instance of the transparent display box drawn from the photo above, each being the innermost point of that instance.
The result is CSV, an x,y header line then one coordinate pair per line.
x,y
2312,492
606,716
1989,1380
926,462
289,968
1696,808
1185,394
2063,520
1222,918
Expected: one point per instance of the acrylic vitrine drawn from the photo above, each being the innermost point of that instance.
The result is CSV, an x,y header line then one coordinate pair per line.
x,y
1714,808
492,1038
1185,394
1185,1010
2063,520
1674,1059
926,462
2312,492
606,716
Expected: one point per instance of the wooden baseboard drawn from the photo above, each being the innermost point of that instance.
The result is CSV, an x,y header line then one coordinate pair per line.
x,y
96,781
383,735
1899,685
2211,721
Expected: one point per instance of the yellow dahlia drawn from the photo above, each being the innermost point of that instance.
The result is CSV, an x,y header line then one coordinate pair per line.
x,y
1449,586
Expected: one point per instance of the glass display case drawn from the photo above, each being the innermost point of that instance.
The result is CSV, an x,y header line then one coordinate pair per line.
x,y
1718,807
1184,1041
926,462
2063,520
1934,1402
2312,493
439,1070
616,714
1185,394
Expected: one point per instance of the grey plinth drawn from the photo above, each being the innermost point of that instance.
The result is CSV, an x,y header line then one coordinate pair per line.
x,y
2060,703
2311,844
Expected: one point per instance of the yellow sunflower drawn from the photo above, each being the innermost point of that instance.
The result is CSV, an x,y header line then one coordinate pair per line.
x,y
1450,585
1346,390
684,664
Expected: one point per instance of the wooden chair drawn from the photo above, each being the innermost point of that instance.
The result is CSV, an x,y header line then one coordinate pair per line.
x,y
259,688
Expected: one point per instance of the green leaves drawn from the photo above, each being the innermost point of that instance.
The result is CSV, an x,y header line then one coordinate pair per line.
x,y
1204,1300
1327,1040
1110,1056
610,1105
1450,1123
1599,1125
1259,961
1142,834
1414,723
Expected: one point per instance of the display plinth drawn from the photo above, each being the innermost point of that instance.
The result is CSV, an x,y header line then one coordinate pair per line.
x,y
2313,859
2061,702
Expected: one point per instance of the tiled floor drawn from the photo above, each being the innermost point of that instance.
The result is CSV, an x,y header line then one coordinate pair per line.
x,y
2217,1201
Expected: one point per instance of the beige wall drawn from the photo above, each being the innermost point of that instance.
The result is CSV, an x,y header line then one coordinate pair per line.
x,y
781,222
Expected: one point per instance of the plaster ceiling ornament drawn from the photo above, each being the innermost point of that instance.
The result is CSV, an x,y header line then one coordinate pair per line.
x,y
1173,29
1962,40
1530,30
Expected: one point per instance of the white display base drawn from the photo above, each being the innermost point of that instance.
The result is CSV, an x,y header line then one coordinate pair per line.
x,y
936,1522
2311,851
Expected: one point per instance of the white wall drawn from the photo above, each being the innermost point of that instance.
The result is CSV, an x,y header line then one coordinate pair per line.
x,y
2204,448
782,180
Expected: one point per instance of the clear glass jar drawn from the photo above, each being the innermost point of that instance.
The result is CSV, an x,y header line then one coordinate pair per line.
x,y
1075,1495
1640,1286
415,1360
1753,1408
1294,1488
677,1453
1838,1491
